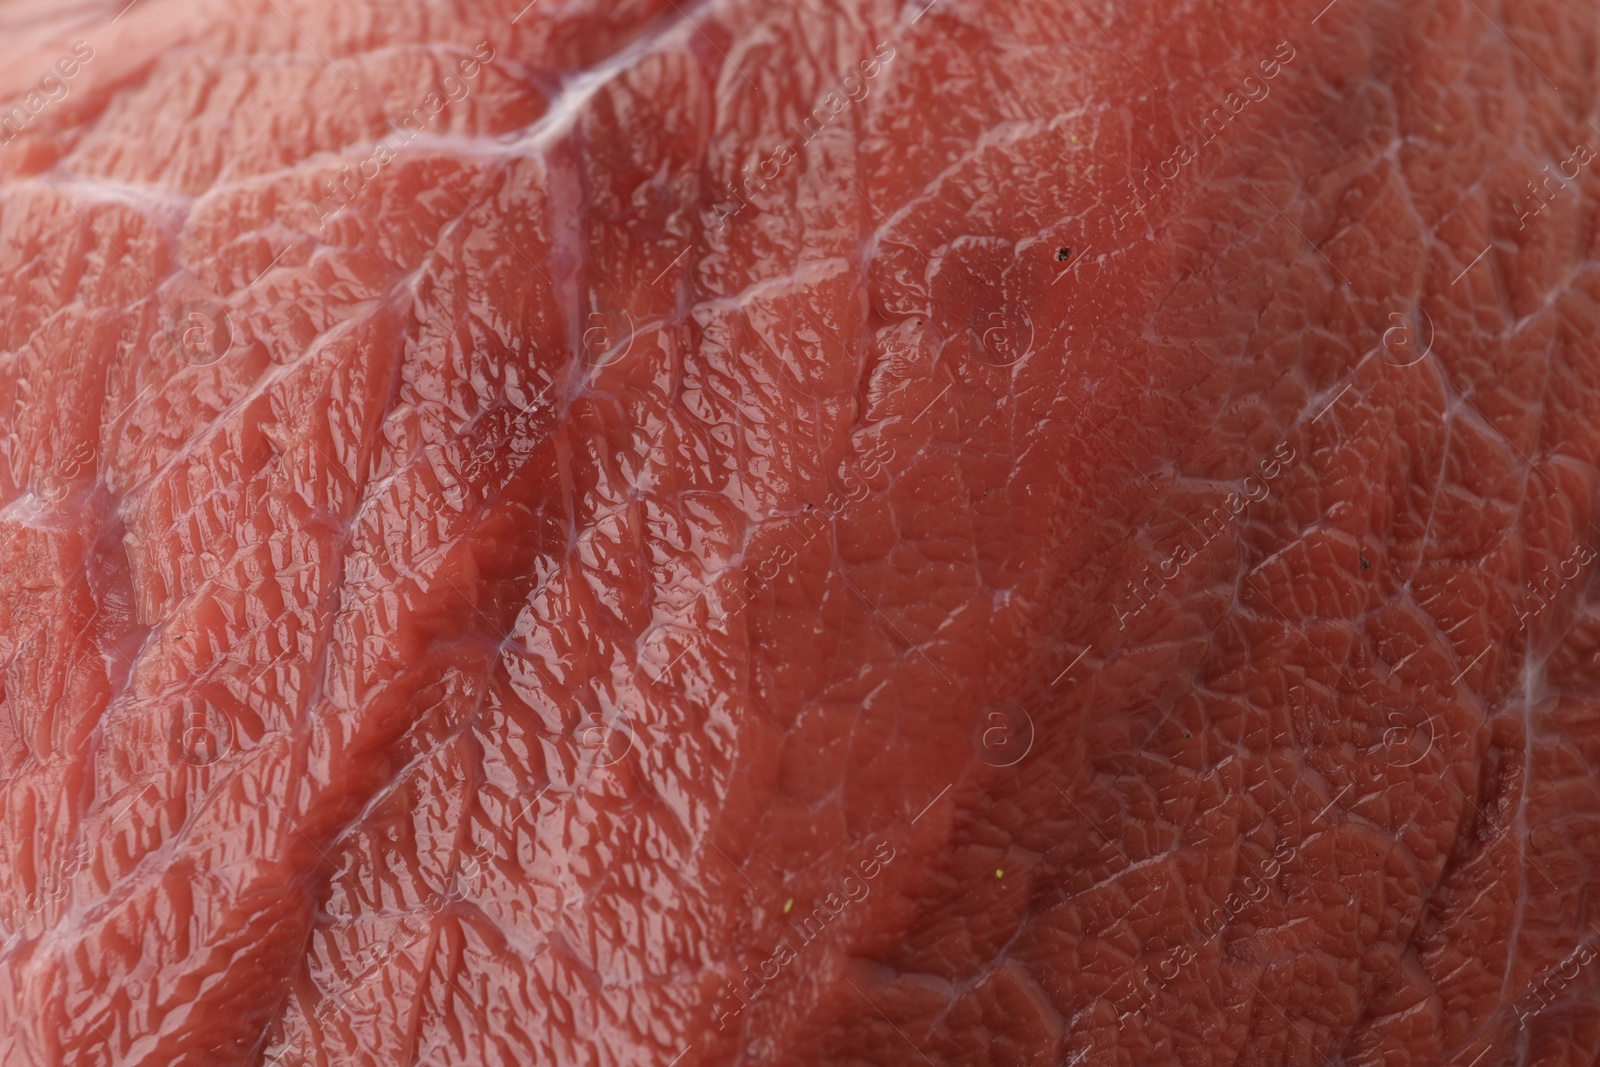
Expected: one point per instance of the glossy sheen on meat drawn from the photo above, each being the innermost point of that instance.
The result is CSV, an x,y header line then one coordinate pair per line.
x,y
783,533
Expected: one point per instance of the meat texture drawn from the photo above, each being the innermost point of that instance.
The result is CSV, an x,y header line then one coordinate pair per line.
x,y
600,533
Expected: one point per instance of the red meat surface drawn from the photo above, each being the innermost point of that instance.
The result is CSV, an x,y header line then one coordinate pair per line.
x,y
652,533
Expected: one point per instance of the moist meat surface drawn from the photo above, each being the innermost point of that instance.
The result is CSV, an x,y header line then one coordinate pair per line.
x,y
785,533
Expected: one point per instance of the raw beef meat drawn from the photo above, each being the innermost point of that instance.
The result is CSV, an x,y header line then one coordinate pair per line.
x,y
583,533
